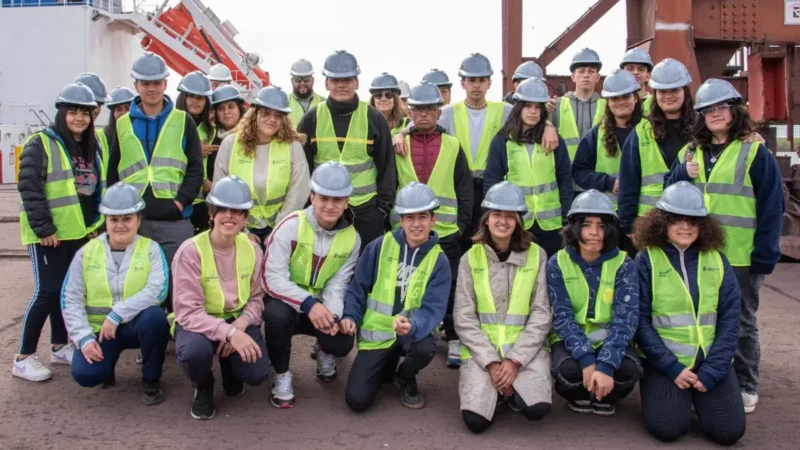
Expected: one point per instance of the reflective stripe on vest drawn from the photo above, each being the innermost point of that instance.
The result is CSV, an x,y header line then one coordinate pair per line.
x,y
167,166
730,197
682,329
204,140
568,125
354,156
61,194
605,163
647,105
596,328
267,203
209,278
302,260
99,299
491,125
376,331
502,335
653,167
297,108
536,176
440,181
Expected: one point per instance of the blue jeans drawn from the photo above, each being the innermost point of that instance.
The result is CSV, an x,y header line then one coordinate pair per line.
x,y
748,351
148,331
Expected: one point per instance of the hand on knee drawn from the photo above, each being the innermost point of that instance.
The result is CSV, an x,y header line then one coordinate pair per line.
x,y
475,422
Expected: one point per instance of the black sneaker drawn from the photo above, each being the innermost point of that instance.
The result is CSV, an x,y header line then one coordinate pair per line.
x,y
152,393
410,396
232,387
111,381
603,409
203,405
513,406
580,406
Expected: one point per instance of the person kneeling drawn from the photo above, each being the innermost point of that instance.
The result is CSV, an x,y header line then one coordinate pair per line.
x,y
689,320
503,316
219,301
309,263
397,298
594,290
112,296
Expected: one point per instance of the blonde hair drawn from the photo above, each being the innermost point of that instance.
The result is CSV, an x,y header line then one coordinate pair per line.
x,y
248,131
399,110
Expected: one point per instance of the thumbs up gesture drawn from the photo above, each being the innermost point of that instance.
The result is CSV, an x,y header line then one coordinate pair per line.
x,y
692,168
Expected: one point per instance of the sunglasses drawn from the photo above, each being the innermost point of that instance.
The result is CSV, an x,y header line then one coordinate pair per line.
x,y
301,79
714,109
384,94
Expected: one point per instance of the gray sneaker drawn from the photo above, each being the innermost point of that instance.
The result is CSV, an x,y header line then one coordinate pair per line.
x,y
410,396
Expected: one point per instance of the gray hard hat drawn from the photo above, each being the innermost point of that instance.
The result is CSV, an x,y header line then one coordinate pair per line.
x,y
220,72
341,64
405,90
120,95
77,94
384,81
592,202
96,84
438,78
301,68
619,82
528,69
505,196
636,56
121,199
149,67
585,57
230,192
415,198
683,198
195,83
226,93
532,90
331,179
715,91
426,94
273,97
669,74
475,66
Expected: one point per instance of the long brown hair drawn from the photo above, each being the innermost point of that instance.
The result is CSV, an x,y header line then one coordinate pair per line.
x,y
399,110
609,125
248,131
513,126
520,239
659,120
741,127
650,230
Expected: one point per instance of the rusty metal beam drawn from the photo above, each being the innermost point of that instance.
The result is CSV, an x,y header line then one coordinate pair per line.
x,y
512,40
574,31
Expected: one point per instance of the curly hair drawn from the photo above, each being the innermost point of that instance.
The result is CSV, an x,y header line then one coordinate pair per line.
x,y
513,126
741,127
520,238
248,131
609,125
650,230
659,120
399,110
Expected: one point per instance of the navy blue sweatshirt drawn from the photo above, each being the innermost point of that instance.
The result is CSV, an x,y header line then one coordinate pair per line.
x,y
624,316
497,168
434,301
583,167
770,204
711,369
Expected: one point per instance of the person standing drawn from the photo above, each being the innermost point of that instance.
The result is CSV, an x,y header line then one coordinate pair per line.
x,y
528,69
639,64
101,97
303,96
385,97
119,105
229,108
219,75
439,79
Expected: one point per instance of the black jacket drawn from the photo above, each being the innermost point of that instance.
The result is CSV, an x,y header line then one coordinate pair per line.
x,y
381,149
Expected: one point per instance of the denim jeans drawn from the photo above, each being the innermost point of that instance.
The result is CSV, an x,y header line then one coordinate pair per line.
x,y
748,351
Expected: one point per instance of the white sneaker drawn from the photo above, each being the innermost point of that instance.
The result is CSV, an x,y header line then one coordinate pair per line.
x,y
326,366
30,369
62,355
750,402
283,391
454,354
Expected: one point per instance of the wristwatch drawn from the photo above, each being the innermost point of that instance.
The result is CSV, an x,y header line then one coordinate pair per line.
x,y
231,332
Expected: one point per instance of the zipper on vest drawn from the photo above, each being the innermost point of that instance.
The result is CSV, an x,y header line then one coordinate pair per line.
x,y
684,273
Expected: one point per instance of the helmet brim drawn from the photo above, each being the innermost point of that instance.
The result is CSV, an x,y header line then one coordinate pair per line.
x,y
341,193
121,212
703,212
212,200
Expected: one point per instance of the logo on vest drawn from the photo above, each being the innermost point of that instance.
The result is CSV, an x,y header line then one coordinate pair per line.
x,y
664,273
710,269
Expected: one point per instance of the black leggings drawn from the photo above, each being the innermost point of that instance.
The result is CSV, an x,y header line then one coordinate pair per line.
x,y
568,375
478,424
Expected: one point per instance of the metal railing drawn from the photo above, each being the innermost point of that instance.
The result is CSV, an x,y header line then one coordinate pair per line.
x,y
112,6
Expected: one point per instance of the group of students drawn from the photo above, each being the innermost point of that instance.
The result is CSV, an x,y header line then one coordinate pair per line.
x,y
374,225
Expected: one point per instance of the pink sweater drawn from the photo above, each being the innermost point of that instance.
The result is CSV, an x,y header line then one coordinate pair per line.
x,y
188,298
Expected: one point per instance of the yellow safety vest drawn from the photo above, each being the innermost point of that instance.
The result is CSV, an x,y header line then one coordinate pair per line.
x,y
647,105
280,174
376,331
400,127
568,125
683,329
99,299
653,167
354,156
502,335
102,140
535,175
302,260
607,164
61,194
206,138
730,197
167,166
441,183
297,108
493,124
209,278
596,328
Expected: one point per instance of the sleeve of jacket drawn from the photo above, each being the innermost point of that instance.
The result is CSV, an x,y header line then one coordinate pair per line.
x,y
624,318
335,289
534,336
277,282
299,187
355,301
223,160
584,167
154,292
657,354
193,179
32,177
254,309
383,154
563,177
73,303
465,318
677,173
462,180
112,168
308,126
770,206
630,182
434,301
564,323
714,367
497,164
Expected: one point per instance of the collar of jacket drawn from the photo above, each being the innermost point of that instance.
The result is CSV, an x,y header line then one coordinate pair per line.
x,y
595,97
575,256
514,258
345,221
433,239
415,132
54,134
342,109
137,113
673,252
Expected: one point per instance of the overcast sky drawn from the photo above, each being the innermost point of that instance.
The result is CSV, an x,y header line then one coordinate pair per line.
x,y
407,38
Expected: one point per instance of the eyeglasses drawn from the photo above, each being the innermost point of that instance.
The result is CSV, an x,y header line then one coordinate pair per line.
x,y
383,94
424,109
301,79
714,109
